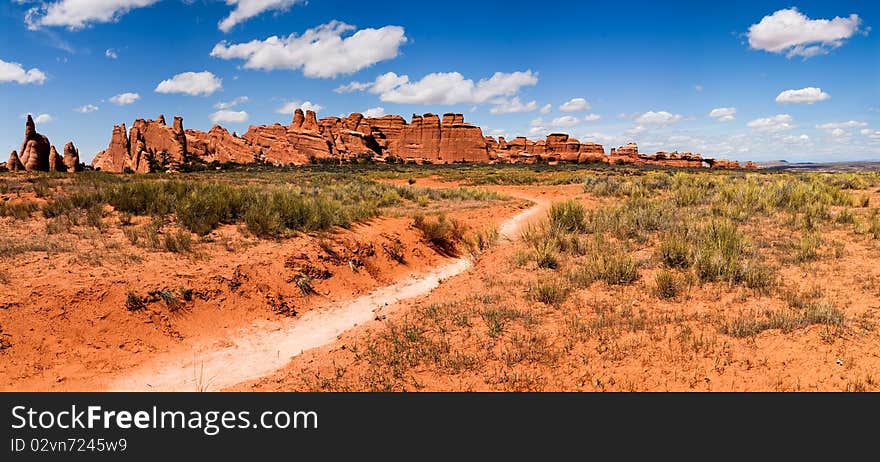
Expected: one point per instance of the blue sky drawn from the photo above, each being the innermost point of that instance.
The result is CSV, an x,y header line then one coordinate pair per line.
x,y
754,81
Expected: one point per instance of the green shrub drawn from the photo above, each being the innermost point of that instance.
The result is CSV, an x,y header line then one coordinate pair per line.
x,y
667,284
549,292
568,216
442,233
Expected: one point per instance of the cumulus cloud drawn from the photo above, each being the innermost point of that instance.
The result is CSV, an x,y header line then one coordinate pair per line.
x,y
790,31
231,104
807,95
319,52
565,121
110,53
374,112
836,129
225,115
78,14
658,118
592,117
777,123
795,139
513,105
546,109
86,109
246,9
574,105
847,124
123,99
191,83
873,134
723,114
290,106
14,72
445,87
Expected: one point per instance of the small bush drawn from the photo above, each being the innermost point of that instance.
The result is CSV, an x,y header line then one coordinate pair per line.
x,y
478,242
807,248
568,216
133,302
667,284
674,251
549,292
443,234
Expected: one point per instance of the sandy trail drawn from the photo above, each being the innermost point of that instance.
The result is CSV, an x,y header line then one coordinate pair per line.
x,y
265,347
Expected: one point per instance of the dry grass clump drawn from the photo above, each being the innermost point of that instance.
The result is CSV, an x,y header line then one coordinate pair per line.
x,y
443,233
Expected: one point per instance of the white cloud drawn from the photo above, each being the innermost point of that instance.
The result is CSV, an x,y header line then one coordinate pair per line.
x,y
873,134
445,87
513,105
658,118
795,139
723,114
574,105
191,83
807,95
792,32
565,121
777,123
374,112
123,99
836,129
86,109
77,14
43,118
592,117
225,115
847,124
246,9
13,72
637,129
290,106
231,104
546,109
698,88
318,52
110,53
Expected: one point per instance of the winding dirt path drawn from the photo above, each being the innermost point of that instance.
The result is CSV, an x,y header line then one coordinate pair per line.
x,y
265,347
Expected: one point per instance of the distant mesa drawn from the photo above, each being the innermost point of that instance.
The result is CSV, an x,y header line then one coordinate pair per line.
x,y
38,155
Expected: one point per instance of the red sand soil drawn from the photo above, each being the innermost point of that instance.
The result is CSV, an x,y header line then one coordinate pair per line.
x,y
63,314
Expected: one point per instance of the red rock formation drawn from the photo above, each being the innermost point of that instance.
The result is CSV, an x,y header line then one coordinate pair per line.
x,y
217,145
116,157
14,164
461,142
35,148
150,143
71,158
427,138
591,152
56,163
628,154
297,144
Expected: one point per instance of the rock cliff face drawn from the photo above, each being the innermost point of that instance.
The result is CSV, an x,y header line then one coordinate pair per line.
x,y
150,145
427,138
218,145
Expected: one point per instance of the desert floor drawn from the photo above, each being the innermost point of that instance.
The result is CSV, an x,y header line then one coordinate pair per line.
x,y
626,279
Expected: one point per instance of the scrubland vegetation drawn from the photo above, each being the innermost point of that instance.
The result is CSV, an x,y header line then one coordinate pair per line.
x,y
671,267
